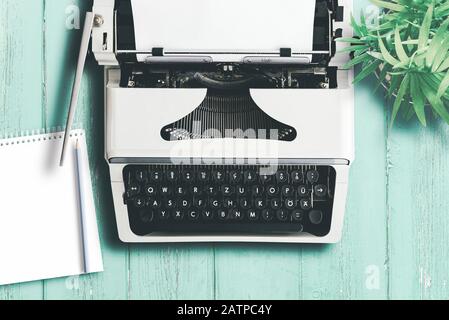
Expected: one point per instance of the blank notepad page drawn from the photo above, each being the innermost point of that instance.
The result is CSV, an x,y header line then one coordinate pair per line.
x,y
40,224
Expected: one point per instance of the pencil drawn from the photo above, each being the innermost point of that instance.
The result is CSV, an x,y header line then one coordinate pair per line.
x,y
82,206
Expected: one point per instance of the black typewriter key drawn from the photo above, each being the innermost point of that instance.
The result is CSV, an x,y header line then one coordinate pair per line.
x,y
305,204
140,202
172,175
320,190
272,191
223,214
297,215
260,203
180,191
196,190
154,203
141,175
218,176
297,176
199,203
249,176
151,190
290,203
133,190
276,204
241,190
313,176
303,191
163,214
287,191
203,176
166,190
244,203
235,214
281,176
207,214
211,190
185,203
267,215
215,203
257,191
316,216
282,215
227,190
265,178
147,216
229,203
235,176
155,176
193,215
253,215
178,215
170,203
187,176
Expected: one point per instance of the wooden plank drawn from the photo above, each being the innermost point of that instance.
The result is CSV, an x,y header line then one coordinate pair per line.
x,y
61,51
257,271
418,211
21,91
171,272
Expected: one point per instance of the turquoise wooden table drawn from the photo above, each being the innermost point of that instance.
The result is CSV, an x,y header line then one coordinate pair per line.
x,y
396,234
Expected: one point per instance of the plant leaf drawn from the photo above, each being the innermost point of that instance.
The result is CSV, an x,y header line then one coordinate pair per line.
x,y
401,93
367,71
410,42
395,81
437,43
418,99
359,59
441,54
444,65
387,56
376,55
400,51
424,32
444,86
436,103
355,26
388,5
434,82
351,40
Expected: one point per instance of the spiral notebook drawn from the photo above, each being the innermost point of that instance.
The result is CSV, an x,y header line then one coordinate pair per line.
x,y
40,227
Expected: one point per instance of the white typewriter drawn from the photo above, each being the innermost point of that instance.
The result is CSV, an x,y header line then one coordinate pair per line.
x,y
226,120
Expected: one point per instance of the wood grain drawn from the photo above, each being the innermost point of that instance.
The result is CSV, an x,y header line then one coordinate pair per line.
x,y
21,90
171,272
419,211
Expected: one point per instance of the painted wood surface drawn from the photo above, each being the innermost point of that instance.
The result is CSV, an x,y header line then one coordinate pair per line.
x,y
396,234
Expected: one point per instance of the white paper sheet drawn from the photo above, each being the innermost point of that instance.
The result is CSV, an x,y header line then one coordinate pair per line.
x,y
230,26
40,235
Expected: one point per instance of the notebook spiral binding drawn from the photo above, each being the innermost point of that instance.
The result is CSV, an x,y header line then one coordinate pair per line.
x,y
36,135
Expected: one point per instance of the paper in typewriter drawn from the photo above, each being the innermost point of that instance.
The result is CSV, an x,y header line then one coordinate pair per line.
x,y
229,26
40,232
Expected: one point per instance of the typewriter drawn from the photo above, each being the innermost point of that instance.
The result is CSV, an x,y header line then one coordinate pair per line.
x,y
226,120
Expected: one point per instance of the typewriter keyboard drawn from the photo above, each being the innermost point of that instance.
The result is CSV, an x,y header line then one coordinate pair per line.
x,y
229,199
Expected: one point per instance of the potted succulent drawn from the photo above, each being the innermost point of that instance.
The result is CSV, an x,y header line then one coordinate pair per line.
x,y
408,50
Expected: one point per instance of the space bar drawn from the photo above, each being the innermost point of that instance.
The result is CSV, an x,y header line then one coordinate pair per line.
x,y
254,228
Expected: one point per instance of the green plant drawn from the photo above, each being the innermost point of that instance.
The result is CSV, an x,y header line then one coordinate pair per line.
x,y
409,50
